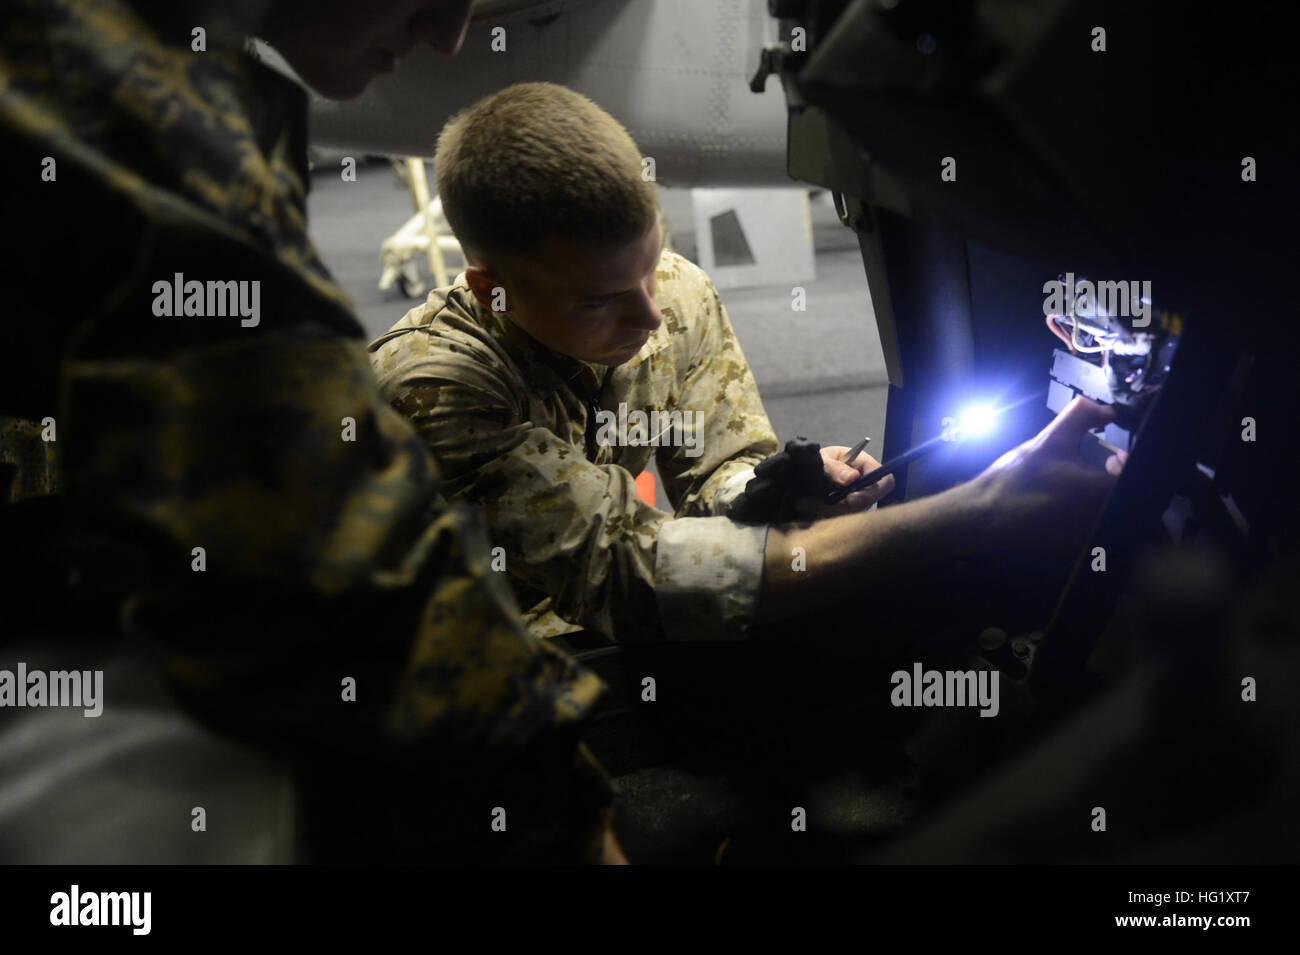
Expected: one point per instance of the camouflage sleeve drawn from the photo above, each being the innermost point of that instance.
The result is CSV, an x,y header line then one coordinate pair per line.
x,y
308,588
719,387
570,529
709,570
345,616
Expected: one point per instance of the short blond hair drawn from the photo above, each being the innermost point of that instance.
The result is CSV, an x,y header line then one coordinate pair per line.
x,y
537,160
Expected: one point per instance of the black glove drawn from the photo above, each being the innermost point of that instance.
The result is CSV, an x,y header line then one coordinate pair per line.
x,y
779,481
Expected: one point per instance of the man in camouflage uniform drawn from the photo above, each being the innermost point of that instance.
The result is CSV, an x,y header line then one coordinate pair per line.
x,y
513,427
236,486
570,316
545,420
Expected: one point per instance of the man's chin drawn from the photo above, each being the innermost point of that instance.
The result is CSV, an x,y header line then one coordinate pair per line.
x,y
635,348
622,356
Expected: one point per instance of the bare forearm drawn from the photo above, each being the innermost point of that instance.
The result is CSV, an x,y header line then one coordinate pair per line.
x,y
1037,504
814,566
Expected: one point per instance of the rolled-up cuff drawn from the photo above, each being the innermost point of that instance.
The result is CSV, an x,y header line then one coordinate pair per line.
x,y
708,571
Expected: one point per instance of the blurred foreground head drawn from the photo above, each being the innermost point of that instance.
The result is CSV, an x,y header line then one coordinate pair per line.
x,y
337,46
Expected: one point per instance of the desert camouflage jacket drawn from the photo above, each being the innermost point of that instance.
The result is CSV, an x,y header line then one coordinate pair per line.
x,y
549,447
273,524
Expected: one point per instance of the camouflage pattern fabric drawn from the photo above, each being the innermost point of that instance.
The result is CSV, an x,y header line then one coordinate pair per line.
x,y
507,419
28,465
327,556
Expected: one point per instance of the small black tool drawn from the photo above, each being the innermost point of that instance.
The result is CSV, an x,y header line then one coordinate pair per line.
x,y
889,467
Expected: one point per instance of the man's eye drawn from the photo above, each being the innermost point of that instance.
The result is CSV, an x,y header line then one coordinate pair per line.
x,y
595,304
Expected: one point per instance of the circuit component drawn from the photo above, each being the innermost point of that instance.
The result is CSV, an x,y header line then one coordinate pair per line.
x,y
1120,349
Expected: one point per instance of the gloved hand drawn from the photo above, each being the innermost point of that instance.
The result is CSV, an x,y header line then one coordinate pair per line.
x,y
780,482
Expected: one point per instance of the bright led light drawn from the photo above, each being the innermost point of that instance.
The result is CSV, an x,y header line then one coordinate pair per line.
x,y
977,419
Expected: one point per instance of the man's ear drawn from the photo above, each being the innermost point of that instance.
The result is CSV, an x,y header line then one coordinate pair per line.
x,y
482,281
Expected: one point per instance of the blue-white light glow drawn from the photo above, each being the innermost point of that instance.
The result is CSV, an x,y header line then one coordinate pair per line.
x,y
977,419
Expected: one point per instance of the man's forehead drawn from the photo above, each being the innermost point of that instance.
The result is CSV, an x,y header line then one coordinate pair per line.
x,y
594,269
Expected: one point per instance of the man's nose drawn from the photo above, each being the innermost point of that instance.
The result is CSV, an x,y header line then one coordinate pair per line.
x,y
442,24
645,313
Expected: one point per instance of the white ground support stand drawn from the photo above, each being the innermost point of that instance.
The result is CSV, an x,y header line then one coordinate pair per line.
x,y
425,232
748,237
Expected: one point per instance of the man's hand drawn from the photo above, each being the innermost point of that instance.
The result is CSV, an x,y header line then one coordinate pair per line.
x,y
1042,494
841,473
